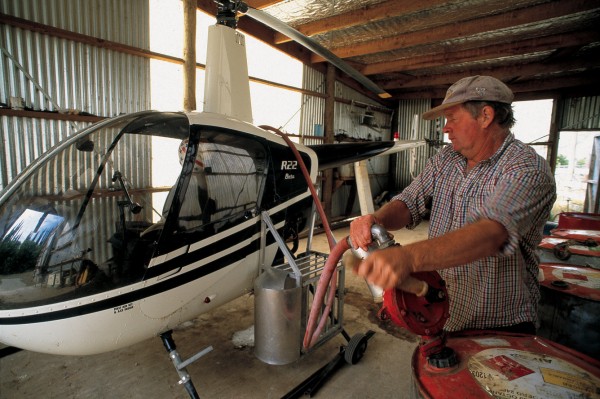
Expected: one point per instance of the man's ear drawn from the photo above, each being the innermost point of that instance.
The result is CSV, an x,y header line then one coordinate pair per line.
x,y
487,116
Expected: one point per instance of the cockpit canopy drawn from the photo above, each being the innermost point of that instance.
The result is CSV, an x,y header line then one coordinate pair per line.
x,y
89,215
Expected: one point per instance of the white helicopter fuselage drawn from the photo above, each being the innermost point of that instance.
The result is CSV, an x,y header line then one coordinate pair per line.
x,y
178,285
134,321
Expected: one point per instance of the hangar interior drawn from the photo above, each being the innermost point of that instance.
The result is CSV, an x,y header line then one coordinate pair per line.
x,y
66,65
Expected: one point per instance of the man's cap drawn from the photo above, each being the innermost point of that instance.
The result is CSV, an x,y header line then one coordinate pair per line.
x,y
473,88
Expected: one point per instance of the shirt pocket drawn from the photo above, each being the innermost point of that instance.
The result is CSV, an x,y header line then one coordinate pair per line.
x,y
477,196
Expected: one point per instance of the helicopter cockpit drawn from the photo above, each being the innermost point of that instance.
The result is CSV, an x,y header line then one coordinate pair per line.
x,y
89,215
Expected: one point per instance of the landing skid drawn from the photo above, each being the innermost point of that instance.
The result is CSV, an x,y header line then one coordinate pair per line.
x,y
180,366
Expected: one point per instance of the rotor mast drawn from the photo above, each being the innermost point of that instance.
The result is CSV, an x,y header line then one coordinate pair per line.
x,y
227,86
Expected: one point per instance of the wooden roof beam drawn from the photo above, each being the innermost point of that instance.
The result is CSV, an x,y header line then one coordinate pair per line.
x,y
366,14
578,85
476,26
504,73
527,46
258,4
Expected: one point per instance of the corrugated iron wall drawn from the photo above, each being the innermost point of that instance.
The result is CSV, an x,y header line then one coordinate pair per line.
x,y
59,75
411,126
357,117
580,113
349,118
312,112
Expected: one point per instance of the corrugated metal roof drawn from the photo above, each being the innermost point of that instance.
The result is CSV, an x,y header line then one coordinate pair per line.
x,y
418,49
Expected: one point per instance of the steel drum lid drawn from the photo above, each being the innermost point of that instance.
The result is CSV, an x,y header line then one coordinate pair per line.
x,y
549,243
582,250
582,282
502,365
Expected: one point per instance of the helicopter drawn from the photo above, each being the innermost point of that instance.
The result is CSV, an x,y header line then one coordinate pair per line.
x,y
141,222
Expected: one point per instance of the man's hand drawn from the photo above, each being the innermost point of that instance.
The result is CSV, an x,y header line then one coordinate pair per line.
x,y
387,268
360,231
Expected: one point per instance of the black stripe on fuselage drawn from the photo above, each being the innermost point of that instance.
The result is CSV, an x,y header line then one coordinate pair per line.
x,y
209,249
163,286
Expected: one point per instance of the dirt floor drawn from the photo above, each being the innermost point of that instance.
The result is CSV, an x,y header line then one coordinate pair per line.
x,y
145,370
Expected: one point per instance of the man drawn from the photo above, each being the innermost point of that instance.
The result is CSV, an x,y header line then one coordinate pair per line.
x,y
489,196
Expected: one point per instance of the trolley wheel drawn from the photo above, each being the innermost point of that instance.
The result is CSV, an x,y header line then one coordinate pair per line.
x,y
356,348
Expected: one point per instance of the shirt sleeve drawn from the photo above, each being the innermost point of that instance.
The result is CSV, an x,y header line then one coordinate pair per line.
x,y
522,198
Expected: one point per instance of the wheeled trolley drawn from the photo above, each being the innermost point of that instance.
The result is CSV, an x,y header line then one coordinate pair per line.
x,y
284,295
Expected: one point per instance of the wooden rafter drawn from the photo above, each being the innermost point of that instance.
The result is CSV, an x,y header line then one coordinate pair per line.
x,y
505,20
371,13
527,46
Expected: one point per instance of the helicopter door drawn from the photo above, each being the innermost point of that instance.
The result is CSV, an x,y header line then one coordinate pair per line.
x,y
220,185
212,225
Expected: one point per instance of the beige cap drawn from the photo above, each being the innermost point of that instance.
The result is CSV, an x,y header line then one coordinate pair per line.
x,y
473,88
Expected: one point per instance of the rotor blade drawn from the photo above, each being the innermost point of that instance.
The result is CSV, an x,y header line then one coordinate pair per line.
x,y
316,48
337,154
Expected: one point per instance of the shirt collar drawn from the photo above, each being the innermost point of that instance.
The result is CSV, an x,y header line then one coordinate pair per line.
x,y
508,140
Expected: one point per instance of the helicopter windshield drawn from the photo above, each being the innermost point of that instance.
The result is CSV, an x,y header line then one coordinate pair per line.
x,y
90,215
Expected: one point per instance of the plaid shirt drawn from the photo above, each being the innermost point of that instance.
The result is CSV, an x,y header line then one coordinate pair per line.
x,y
514,187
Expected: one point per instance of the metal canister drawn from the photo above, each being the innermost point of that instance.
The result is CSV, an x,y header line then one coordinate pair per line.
x,y
277,317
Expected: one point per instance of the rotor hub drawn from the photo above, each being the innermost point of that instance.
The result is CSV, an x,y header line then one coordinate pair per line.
x,y
227,12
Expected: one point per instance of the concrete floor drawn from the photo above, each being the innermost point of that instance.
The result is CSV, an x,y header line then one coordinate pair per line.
x,y
145,371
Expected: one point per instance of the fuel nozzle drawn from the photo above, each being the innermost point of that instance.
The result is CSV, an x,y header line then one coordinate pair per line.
x,y
381,239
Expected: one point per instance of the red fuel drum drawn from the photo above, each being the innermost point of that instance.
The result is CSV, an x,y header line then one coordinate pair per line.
x,y
486,364
579,221
501,365
573,247
569,310
575,240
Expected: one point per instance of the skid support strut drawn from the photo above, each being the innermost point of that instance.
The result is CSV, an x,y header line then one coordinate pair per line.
x,y
180,366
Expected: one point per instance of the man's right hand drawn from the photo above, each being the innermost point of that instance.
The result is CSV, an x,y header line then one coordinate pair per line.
x,y
360,231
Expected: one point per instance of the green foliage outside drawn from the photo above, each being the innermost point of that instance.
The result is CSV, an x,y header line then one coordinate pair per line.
x,y
562,160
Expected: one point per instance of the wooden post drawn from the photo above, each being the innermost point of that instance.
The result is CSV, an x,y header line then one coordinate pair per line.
x,y
189,55
555,126
363,186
